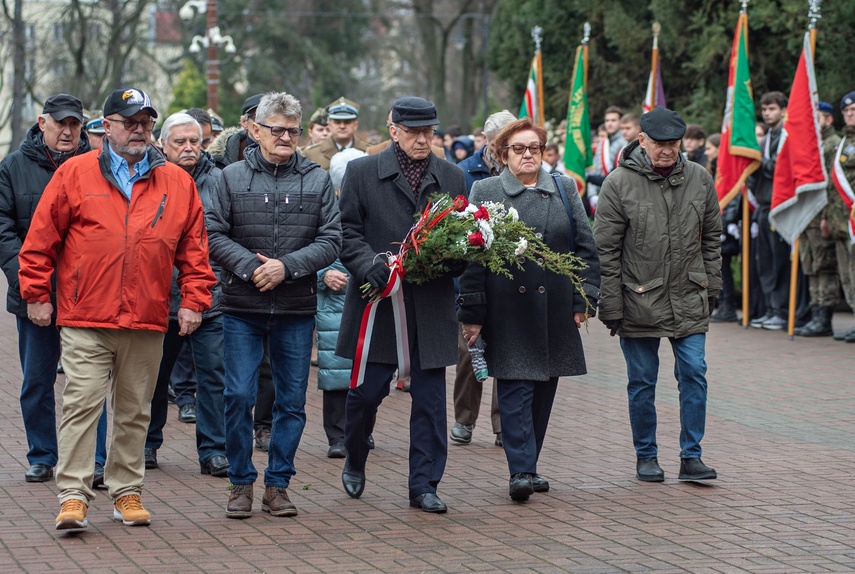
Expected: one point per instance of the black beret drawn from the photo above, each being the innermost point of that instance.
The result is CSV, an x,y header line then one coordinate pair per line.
x,y
663,125
414,112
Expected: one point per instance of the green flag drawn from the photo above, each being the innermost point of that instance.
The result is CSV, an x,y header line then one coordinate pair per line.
x,y
578,154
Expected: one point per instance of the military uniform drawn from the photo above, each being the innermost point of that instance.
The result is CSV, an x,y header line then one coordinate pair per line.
x,y
321,153
817,255
837,215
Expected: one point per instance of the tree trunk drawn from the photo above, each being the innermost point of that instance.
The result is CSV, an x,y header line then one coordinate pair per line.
x,y
19,65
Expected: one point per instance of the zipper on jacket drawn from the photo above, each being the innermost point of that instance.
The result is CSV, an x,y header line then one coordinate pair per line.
x,y
265,198
275,242
159,211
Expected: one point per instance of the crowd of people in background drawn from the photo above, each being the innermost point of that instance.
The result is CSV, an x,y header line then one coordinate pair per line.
x,y
212,266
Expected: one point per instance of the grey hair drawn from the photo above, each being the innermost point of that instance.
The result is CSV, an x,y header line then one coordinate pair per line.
x,y
496,122
278,103
175,120
339,162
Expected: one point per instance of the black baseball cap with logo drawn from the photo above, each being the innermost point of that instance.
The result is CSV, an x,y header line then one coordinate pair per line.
x,y
128,102
61,106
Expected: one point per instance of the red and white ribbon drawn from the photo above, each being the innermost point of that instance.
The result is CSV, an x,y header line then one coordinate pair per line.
x,y
844,188
395,292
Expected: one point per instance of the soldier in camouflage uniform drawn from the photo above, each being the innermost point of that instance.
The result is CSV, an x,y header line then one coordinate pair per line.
x,y
837,213
816,248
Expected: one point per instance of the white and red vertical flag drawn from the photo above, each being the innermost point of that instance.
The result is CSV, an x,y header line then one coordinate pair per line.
x,y
800,180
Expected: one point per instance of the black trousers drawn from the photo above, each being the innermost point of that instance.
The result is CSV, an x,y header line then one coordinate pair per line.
x,y
335,409
428,426
773,264
525,407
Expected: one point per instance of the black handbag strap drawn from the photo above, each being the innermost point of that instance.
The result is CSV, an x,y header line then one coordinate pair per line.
x,y
563,192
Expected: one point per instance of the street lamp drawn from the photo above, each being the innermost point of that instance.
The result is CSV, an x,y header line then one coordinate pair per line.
x,y
211,41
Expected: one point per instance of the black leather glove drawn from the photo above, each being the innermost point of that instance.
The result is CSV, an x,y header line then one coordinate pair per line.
x,y
713,304
378,276
613,326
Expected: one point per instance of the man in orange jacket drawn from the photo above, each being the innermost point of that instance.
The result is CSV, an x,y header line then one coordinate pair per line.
x,y
112,223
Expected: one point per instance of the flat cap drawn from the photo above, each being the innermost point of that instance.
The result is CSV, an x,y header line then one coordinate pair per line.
x,y
128,102
250,104
343,109
61,106
414,112
663,125
847,100
826,107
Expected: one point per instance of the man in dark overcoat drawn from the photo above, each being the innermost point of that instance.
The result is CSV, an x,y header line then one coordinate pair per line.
x,y
380,196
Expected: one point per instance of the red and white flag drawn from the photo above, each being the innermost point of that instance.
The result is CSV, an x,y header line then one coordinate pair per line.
x,y
800,181
844,188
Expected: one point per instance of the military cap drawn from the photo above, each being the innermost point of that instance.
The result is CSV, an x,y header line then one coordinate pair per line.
x,y
95,126
319,117
847,100
61,106
663,125
414,112
250,104
128,102
216,124
343,109
826,107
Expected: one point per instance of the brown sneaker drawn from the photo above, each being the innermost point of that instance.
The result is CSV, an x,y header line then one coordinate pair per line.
x,y
72,515
240,501
130,511
277,503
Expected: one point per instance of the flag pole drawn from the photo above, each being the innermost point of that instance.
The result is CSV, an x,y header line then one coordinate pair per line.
x,y
586,29
654,64
537,36
814,15
746,234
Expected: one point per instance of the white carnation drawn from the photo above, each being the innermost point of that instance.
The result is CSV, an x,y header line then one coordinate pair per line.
x,y
487,232
515,215
522,245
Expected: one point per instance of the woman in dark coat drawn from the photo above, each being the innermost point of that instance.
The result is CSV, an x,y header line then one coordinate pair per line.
x,y
530,323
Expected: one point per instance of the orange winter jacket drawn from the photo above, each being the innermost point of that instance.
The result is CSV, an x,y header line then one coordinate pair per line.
x,y
114,257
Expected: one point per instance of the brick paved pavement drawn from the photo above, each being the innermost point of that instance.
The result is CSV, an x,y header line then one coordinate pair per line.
x,y
781,433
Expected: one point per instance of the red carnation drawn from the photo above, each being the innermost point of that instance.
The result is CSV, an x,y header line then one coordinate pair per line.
x,y
476,239
482,213
460,202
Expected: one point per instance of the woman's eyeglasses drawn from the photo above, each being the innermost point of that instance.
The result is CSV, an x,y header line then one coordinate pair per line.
x,y
519,149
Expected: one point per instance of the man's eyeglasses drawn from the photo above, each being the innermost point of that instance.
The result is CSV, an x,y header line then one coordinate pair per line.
x,y
279,131
131,125
427,132
519,149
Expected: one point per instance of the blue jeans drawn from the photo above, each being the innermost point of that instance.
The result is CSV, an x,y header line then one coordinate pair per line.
x,y
38,348
690,368
290,342
205,346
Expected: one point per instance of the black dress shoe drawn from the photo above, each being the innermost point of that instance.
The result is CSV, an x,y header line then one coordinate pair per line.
x,y
371,442
187,413
98,477
337,450
695,469
352,480
429,502
520,487
216,466
151,458
539,484
648,470
38,473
